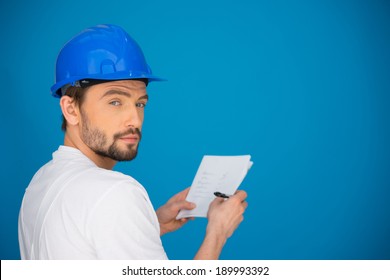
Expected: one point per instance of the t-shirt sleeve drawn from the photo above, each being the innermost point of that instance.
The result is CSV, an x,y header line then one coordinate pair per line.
x,y
123,225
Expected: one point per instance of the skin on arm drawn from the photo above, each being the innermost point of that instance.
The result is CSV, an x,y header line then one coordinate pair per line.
x,y
224,217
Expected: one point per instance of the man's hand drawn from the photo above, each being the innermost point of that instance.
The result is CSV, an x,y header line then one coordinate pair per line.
x,y
167,213
224,216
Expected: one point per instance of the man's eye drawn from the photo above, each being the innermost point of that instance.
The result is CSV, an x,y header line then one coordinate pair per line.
x,y
115,103
141,105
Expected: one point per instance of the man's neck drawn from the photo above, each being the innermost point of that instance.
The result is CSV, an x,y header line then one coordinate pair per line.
x,y
101,161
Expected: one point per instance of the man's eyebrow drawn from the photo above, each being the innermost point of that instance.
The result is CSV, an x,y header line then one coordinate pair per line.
x,y
114,92
146,97
120,92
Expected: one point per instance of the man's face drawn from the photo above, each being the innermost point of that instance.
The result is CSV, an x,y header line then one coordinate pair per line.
x,y
111,118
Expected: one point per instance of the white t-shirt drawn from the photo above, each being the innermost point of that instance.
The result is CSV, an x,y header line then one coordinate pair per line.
x,y
73,209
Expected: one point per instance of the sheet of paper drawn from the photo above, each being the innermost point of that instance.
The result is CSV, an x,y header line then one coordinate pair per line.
x,y
215,174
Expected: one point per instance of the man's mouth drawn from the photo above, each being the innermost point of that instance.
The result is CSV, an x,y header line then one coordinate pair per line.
x,y
130,139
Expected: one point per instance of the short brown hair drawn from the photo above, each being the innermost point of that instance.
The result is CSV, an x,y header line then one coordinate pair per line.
x,y
77,94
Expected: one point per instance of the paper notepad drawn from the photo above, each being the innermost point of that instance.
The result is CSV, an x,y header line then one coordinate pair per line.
x,y
215,174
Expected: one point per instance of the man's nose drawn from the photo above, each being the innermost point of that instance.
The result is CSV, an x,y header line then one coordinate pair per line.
x,y
134,118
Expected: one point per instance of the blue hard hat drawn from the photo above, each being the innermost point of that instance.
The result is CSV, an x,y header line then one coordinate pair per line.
x,y
103,52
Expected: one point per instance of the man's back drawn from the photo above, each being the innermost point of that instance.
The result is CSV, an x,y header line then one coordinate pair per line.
x,y
73,209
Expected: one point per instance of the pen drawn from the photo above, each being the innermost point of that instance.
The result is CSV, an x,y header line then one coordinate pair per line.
x,y
219,194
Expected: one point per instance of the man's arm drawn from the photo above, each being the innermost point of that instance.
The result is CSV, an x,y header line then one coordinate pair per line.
x,y
224,216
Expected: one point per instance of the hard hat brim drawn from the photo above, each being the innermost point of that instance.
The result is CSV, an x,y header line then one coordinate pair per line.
x,y
56,89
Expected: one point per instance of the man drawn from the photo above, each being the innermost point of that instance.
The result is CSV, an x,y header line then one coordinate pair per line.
x,y
76,207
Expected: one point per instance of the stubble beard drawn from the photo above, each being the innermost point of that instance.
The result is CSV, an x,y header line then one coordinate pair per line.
x,y
96,140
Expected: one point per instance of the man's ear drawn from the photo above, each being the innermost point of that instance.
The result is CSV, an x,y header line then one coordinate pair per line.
x,y
70,110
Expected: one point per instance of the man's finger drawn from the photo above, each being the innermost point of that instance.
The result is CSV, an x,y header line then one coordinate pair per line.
x,y
184,205
242,195
181,195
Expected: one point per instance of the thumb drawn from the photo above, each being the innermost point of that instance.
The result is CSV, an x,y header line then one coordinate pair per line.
x,y
186,205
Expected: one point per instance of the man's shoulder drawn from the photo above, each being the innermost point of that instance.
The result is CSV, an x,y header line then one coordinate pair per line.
x,y
73,175
101,179
97,174
94,185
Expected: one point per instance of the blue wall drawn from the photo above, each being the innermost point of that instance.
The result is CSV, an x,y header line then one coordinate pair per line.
x,y
303,86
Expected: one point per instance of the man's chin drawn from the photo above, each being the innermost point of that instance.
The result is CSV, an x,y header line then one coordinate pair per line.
x,y
120,154
125,155
129,157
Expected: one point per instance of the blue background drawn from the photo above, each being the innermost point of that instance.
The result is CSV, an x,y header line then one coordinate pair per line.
x,y
302,86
